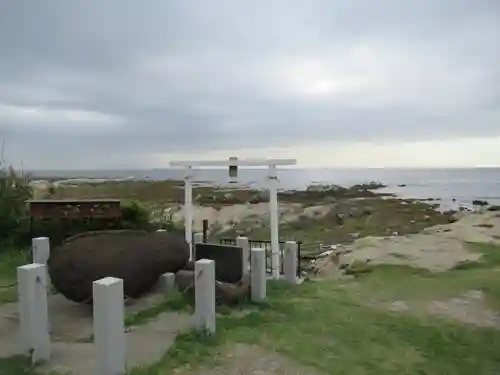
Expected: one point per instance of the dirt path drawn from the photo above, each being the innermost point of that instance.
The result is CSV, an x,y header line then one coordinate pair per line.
x,y
71,333
243,359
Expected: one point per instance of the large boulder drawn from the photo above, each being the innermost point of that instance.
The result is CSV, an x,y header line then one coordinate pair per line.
x,y
137,257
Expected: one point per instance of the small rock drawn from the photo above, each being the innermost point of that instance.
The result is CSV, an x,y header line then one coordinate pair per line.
x,y
456,216
367,211
477,202
494,208
474,294
339,218
398,306
330,199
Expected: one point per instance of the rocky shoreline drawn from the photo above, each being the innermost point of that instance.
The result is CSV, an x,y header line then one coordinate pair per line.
x,y
321,215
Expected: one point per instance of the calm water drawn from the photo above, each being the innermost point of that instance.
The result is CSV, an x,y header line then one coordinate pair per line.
x,y
464,185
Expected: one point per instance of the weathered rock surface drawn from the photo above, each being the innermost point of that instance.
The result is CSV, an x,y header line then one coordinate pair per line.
x,y
137,257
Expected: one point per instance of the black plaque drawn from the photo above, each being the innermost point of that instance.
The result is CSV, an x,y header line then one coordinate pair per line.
x,y
228,260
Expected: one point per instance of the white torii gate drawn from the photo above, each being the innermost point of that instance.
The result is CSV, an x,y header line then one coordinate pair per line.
x,y
233,163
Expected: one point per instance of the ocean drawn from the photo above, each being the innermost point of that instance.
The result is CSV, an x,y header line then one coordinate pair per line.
x,y
452,187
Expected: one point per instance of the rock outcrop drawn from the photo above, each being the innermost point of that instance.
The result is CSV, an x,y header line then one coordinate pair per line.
x,y
137,257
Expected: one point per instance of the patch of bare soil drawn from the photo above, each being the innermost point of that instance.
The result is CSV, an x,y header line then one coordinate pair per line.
x,y
243,359
71,327
437,248
252,214
470,308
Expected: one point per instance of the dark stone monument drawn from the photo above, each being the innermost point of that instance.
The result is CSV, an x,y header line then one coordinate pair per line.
x,y
228,260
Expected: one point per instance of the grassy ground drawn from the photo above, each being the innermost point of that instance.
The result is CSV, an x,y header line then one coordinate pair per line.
x,y
342,326
9,261
336,326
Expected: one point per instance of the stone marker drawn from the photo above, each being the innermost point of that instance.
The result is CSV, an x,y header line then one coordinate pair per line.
x,y
33,311
109,330
167,283
290,262
258,275
204,270
245,254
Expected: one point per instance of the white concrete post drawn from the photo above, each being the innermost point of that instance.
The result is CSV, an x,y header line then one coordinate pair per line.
x,y
258,275
40,248
204,270
274,221
188,211
198,238
167,283
109,330
245,246
290,262
33,311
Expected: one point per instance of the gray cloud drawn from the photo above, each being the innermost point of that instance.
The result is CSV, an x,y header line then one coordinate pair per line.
x,y
130,78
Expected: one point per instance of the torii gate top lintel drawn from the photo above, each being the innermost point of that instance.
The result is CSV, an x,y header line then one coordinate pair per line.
x,y
233,162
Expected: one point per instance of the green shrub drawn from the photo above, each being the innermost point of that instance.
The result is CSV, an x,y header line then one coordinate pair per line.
x,y
134,215
14,192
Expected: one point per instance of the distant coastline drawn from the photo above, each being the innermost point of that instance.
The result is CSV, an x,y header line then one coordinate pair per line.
x,y
452,187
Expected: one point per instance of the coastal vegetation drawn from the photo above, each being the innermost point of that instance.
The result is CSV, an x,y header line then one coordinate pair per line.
x,y
393,320
419,295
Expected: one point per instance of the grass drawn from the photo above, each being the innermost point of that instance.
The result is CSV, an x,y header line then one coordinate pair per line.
x,y
10,259
174,302
19,365
16,365
337,326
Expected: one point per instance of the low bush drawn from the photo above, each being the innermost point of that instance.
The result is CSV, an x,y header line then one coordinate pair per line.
x,y
14,191
134,215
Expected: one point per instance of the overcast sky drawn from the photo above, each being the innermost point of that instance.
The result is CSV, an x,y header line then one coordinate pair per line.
x,y
128,83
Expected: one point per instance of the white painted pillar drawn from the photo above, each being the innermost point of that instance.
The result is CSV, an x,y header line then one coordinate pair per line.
x,y
245,245
188,211
204,270
167,283
33,311
274,221
258,275
40,248
109,330
290,262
